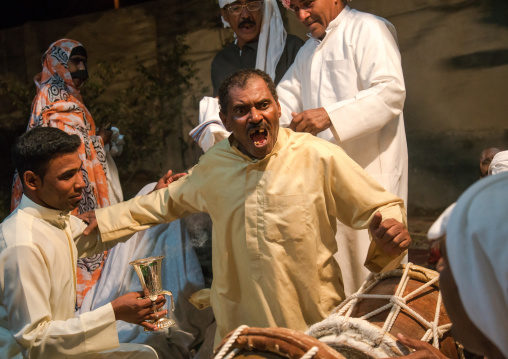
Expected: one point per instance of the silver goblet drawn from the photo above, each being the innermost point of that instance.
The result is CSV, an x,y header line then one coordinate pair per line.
x,y
149,273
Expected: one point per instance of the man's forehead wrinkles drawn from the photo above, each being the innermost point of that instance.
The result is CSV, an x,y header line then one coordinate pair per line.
x,y
240,102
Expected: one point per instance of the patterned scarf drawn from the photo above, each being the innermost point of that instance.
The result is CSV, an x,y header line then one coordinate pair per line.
x,y
58,103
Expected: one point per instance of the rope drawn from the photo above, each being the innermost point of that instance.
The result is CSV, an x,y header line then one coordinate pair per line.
x,y
310,353
230,342
396,303
232,353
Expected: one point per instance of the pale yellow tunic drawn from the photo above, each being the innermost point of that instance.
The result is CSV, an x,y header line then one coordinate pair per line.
x,y
274,226
39,248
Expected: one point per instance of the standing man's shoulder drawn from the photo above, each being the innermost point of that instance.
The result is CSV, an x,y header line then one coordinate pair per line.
x,y
293,43
312,145
223,53
366,20
15,230
223,58
217,159
224,61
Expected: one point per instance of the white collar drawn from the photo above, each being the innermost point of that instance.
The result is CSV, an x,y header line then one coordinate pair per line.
x,y
54,216
335,22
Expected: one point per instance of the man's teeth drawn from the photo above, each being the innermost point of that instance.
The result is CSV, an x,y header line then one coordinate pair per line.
x,y
261,130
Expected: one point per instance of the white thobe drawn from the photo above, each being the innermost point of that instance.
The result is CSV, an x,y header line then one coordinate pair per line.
x,y
39,248
355,74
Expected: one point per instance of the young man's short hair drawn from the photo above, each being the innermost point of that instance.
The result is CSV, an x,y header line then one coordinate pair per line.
x,y
35,148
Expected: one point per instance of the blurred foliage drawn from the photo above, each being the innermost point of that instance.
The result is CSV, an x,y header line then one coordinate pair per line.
x,y
150,112
496,12
17,99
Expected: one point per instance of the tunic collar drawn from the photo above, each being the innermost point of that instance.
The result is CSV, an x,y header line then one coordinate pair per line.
x,y
335,22
253,45
54,216
279,144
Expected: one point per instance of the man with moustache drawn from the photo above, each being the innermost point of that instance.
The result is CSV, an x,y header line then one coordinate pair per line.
x,y
261,42
274,197
39,245
346,86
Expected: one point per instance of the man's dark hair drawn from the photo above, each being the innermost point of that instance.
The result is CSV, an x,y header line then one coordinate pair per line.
x,y
239,79
34,149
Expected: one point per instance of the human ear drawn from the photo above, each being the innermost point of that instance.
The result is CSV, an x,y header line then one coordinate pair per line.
x,y
31,180
225,15
225,122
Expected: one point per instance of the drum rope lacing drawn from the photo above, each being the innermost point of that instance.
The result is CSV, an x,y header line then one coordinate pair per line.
x,y
229,343
396,302
310,353
232,339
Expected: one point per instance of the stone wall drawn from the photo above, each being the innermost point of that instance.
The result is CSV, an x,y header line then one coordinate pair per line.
x,y
455,61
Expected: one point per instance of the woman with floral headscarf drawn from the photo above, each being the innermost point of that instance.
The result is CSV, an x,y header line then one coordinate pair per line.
x,y
58,103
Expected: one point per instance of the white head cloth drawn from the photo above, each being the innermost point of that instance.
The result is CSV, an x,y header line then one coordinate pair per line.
x,y
438,228
272,36
476,244
499,163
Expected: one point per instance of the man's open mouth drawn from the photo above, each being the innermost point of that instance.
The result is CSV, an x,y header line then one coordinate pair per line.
x,y
259,137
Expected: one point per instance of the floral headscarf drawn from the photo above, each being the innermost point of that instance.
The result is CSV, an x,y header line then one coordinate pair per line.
x,y
58,103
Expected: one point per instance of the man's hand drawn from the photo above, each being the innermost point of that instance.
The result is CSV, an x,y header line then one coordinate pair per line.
x,y
390,235
423,350
167,179
132,309
88,217
105,133
312,121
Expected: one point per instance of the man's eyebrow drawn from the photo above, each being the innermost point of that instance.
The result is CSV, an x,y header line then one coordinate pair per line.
x,y
238,103
72,170
69,171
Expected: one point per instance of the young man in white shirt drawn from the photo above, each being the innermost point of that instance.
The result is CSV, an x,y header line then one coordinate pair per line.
x,y
39,245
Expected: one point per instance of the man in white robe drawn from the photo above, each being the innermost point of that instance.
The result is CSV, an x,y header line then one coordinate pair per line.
x,y
346,86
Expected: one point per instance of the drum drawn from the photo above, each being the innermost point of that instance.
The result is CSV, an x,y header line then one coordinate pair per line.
x,y
406,300
272,343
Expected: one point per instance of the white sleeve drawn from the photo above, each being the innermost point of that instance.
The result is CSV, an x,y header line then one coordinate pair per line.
x,y
26,298
289,91
377,61
210,129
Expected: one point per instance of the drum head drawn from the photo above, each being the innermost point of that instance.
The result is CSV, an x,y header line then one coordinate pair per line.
x,y
405,300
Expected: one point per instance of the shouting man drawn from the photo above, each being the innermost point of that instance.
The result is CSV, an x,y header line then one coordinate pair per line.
x,y
274,197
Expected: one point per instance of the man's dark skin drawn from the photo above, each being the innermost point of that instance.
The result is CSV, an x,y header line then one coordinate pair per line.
x,y
246,25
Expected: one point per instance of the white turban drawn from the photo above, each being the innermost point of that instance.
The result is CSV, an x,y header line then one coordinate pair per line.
x,y
272,36
477,248
223,3
438,228
499,163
